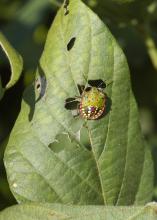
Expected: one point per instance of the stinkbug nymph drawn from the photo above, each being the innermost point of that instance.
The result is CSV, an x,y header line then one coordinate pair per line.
x,y
91,104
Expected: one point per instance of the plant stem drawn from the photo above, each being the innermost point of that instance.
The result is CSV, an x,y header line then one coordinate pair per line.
x,y
152,50
149,43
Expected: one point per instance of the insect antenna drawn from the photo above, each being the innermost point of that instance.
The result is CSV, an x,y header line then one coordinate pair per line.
x,y
110,82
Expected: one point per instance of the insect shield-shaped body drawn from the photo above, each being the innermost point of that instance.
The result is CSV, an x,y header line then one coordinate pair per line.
x,y
93,103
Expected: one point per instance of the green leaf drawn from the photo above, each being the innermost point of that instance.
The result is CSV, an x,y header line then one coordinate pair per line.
x,y
109,163
31,212
15,60
28,18
59,212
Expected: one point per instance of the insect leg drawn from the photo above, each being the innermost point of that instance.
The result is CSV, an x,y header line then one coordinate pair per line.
x,y
80,88
76,112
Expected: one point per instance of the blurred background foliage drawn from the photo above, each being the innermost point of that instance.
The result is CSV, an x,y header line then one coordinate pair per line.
x,y
133,23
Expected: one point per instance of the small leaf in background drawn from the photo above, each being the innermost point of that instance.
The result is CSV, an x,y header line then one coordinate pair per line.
x,y
46,160
7,11
15,60
26,27
35,211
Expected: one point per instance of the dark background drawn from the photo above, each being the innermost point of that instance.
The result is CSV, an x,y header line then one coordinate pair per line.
x,y
25,24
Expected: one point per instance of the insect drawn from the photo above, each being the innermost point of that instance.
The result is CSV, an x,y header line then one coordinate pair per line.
x,y
92,102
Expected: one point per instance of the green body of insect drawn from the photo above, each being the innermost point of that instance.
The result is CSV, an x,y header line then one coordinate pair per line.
x,y
93,103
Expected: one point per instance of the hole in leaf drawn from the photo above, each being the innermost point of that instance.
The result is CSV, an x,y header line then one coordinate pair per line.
x,y
66,3
62,142
40,84
71,43
66,12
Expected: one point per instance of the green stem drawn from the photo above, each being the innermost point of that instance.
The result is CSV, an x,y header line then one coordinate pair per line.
x,y
152,50
150,44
